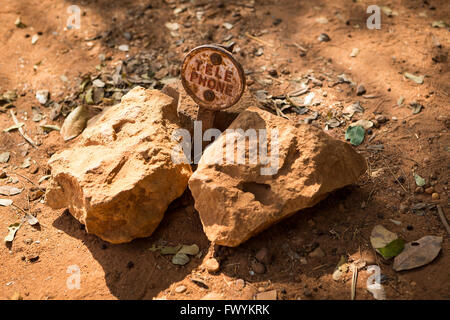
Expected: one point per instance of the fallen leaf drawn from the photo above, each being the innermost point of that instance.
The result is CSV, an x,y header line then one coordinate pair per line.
x,y
392,249
355,135
170,250
14,127
5,202
381,237
75,123
416,107
419,180
439,24
418,253
353,108
416,79
180,259
190,250
50,127
366,124
26,163
12,229
9,190
32,220
4,157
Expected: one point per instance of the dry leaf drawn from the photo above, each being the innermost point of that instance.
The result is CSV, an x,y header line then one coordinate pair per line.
x,y
75,123
418,253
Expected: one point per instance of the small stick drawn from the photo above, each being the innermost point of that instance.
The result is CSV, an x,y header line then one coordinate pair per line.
x,y
443,219
354,280
259,40
24,135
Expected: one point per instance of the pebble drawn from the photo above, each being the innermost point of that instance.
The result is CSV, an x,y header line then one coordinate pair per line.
x,y
380,118
419,190
124,47
212,265
34,39
360,90
240,284
180,289
323,37
263,256
258,267
435,196
429,190
42,96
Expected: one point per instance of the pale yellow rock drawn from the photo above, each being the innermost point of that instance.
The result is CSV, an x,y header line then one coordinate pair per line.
x,y
119,178
237,201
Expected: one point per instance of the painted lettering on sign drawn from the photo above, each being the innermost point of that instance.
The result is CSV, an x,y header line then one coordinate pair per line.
x,y
212,77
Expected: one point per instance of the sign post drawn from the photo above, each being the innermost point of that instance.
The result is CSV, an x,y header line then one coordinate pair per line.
x,y
214,79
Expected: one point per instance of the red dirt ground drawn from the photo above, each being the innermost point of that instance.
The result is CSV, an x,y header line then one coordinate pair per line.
x,y
341,224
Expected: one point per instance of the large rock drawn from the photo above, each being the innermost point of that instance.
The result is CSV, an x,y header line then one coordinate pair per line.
x,y
119,178
237,201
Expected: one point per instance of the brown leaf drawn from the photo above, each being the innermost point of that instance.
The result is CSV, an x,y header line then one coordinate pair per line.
x,y
75,123
418,253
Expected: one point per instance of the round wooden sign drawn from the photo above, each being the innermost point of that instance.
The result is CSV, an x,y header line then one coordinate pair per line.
x,y
212,77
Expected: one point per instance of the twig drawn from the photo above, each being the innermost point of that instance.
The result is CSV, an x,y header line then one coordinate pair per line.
x,y
259,40
24,135
401,185
354,280
443,219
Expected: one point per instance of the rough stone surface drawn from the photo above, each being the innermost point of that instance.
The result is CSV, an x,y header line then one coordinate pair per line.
x,y
236,201
119,178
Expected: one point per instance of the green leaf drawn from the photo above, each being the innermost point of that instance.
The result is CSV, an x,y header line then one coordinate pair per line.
x,y
190,250
419,180
355,135
392,249
180,259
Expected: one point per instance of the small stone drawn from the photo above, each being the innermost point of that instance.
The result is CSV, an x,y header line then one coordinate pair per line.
x,y
3,175
317,253
323,37
258,267
124,47
240,284
34,39
4,157
98,83
212,265
337,274
429,190
419,190
263,256
273,73
435,196
180,289
380,118
42,96
360,90
268,295
303,260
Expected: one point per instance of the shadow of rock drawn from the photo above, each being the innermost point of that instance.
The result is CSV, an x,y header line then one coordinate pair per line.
x,y
131,270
